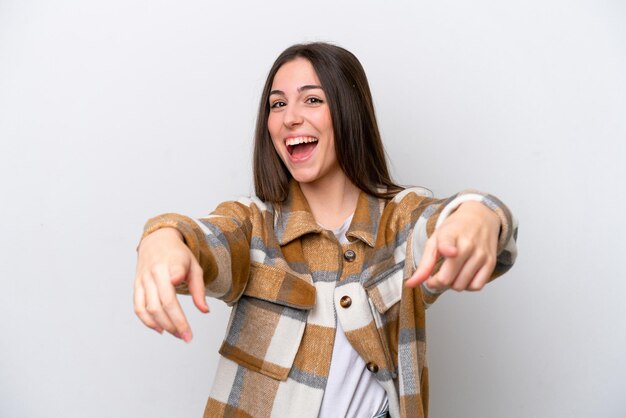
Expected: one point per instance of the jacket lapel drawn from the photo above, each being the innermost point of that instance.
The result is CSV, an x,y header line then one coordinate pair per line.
x,y
293,218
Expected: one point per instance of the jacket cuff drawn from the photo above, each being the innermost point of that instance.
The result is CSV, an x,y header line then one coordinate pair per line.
x,y
186,226
491,202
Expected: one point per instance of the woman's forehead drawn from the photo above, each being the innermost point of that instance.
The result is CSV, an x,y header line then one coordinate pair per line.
x,y
295,74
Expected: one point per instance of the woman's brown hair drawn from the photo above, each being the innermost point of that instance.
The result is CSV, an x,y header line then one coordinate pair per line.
x,y
358,145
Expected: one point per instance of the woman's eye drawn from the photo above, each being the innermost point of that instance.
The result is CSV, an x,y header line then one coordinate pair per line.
x,y
314,100
277,104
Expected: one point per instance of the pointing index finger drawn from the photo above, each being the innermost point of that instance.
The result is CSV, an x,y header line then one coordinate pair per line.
x,y
426,264
196,287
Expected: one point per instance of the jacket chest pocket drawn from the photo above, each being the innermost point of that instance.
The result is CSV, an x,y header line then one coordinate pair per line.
x,y
267,323
384,288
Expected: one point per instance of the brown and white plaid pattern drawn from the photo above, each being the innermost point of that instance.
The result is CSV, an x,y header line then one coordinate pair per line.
x,y
289,282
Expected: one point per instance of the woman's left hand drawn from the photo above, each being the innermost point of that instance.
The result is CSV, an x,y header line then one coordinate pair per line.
x,y
467,240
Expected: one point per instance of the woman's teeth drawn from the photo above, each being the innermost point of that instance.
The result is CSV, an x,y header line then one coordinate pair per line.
x,y
300,140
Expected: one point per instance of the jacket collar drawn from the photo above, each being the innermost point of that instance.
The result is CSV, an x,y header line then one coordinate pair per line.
x,y
293,218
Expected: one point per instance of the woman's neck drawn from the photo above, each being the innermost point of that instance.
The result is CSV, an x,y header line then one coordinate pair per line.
x,y
332,200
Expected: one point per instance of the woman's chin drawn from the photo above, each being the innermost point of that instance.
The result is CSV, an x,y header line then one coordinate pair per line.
x,y
313,176
304,178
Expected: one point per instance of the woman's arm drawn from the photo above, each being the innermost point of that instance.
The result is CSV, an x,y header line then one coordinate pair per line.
x,y
181,255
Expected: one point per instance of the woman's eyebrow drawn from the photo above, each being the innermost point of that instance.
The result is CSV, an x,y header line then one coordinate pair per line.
x,y
309,87
300,89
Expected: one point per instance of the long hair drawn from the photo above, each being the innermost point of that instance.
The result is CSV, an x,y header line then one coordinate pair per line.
x,y
358,146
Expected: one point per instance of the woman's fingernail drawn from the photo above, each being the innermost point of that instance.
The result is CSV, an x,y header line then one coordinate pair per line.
x,y
177,335
159,330
186,337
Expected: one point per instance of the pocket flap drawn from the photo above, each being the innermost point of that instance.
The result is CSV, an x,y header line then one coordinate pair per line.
x,y
385,289
264,336
280,286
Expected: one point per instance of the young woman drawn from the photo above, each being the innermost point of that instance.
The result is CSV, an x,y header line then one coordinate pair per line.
x,y
330,267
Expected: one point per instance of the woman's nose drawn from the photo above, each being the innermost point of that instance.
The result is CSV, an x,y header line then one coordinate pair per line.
x,y
293,116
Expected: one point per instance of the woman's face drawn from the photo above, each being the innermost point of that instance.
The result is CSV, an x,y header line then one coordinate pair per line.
x,y
300,123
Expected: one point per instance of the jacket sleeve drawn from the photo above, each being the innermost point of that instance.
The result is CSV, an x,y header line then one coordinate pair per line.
x,y
221,244
433,215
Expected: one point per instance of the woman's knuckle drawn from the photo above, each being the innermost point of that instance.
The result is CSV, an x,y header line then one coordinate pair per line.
x,y
154,269
143,279
462,246
481,256
140,311
443,281
457,286
153,309
169,303
477,286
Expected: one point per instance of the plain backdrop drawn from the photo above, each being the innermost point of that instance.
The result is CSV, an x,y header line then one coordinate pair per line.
x,y
112,112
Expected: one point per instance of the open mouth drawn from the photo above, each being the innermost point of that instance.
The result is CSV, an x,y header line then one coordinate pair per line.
x,y
301,147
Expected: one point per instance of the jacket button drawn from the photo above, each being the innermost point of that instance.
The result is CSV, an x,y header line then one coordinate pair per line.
x,y
345,302
372,367
349,255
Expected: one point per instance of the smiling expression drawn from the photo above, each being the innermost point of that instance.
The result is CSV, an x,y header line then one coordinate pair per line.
x,y
300,123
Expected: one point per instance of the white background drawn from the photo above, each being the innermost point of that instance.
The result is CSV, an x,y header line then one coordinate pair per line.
x,y
112,112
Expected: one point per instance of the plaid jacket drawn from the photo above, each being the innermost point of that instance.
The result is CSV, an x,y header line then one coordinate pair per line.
x,y
289,281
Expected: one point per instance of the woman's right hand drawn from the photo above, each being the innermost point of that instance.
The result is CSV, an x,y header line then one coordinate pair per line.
x,y
163,262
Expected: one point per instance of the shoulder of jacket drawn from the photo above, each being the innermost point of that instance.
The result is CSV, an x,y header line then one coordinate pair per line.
x,y
419,191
